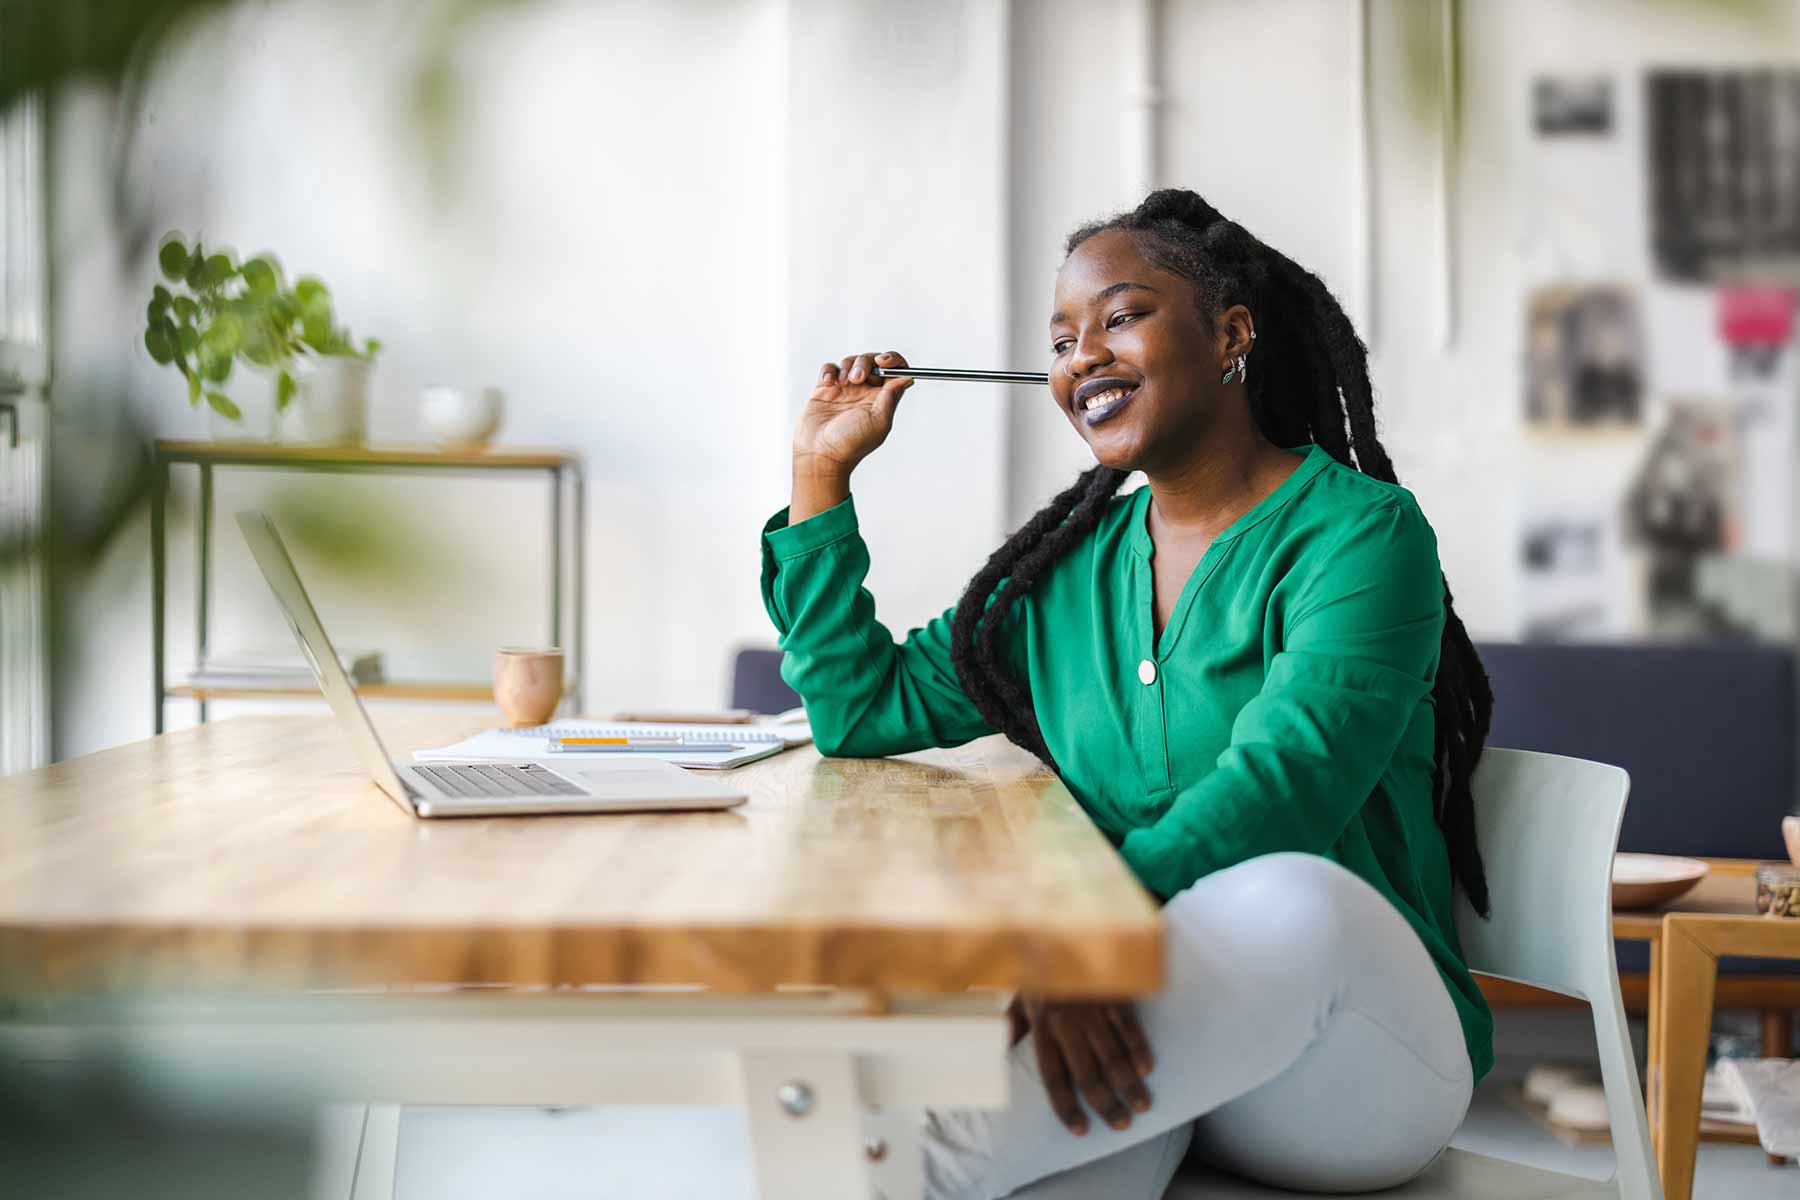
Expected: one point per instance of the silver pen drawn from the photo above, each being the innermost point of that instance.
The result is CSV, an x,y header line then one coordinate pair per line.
x,y
953,373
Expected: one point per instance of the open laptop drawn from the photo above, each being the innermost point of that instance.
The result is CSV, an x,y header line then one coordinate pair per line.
x,y
471,789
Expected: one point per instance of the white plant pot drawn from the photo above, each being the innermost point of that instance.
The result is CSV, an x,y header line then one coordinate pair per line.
x,y
333,398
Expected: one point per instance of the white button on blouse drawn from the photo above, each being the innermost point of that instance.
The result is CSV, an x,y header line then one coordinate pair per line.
x,y
1147,672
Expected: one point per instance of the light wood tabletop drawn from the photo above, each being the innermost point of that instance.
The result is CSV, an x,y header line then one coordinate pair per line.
x,y
255,853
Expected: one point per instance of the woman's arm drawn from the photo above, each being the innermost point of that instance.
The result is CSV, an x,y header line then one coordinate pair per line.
x,y
865,695
1359,651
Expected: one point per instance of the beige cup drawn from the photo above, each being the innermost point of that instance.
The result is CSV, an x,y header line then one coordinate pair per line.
x,y
528,683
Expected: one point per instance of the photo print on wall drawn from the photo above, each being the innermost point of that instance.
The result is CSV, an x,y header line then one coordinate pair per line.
x,y
1563,105
1724,172
1584,354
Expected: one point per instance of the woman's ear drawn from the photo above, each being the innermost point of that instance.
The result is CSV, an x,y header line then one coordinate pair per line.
x,y
1236,326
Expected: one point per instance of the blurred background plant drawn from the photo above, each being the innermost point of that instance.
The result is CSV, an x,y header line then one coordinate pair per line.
x,y
221,311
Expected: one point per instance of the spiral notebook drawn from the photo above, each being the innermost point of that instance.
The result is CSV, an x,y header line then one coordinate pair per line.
x,y
532,742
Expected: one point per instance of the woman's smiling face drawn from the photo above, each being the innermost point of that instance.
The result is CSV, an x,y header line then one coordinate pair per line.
x,y
1136,366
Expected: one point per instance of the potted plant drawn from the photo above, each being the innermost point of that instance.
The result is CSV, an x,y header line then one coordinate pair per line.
x,y
215,311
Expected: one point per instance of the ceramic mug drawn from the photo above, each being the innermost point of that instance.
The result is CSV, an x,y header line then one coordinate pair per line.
x,y
528,683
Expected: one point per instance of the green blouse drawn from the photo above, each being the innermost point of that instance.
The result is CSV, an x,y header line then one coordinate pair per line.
x,y
1286,706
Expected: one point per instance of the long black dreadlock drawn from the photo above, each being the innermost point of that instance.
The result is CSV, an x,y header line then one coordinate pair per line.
x,y
1311,385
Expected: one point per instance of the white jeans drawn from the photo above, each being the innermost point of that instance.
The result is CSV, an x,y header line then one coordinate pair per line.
x,y
1304,1039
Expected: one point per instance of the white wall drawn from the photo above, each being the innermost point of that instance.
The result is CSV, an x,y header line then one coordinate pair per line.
x,y
896,237
665,215
1259,118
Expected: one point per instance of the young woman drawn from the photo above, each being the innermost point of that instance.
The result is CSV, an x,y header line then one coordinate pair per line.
x,y
1250,675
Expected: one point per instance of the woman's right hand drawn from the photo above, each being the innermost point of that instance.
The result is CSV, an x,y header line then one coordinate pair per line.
x,y
849,414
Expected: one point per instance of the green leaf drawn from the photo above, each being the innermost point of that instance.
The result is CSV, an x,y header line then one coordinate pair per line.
x,y
371,347
216,270
311,289
315,327
186,310
284,391
161,295
193,388
221,404
188,338
213,366
172,257
259,276
225,334
155,311
158,342
260,346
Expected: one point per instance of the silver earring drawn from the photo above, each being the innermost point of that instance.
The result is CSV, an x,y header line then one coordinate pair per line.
x,y
1237,371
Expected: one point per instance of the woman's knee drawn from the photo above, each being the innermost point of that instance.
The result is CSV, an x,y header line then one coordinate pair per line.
x,y
1286,903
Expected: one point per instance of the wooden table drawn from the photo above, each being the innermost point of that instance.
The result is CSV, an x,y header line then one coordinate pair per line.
x,y
1729,889
1690,948
240,892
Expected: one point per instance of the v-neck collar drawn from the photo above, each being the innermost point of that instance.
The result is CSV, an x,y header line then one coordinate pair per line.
x,y
1316,460
1162,645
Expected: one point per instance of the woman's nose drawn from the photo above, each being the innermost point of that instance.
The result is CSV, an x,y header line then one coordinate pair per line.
x,y
1090,351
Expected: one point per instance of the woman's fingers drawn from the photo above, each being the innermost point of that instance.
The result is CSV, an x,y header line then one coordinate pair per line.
x,y
1085,1070
899,383
887,402
1137,1042
1115,1062
1053,1069
860,369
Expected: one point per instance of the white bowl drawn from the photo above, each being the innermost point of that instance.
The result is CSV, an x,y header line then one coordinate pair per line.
x,y
458,417
1646,880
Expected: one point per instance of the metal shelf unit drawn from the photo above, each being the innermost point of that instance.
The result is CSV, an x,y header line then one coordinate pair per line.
x,y
567,534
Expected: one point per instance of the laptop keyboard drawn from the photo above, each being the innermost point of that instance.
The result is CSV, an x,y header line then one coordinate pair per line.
x,y
497,779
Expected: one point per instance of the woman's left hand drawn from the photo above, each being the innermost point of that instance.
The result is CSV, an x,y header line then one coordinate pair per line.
x,y
1096,1051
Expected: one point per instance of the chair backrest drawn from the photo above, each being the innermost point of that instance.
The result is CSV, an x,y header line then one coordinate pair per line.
x,y
756,682
1547,827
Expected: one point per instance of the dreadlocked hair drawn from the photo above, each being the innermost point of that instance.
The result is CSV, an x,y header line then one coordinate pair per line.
x,y
1311,385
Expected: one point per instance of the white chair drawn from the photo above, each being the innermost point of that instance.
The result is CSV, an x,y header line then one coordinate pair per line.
x,y
1548,826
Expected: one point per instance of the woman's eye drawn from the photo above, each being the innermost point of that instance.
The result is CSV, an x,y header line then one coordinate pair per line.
x,y
1060,347
1118,317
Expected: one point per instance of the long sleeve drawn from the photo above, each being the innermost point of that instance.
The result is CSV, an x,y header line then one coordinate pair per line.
x,y
1359,652
865,695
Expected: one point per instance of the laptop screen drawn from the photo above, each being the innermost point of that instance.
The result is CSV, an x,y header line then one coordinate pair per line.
x,y
272,556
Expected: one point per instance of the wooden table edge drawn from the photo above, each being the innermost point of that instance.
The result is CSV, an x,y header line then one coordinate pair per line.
x,y
725,958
